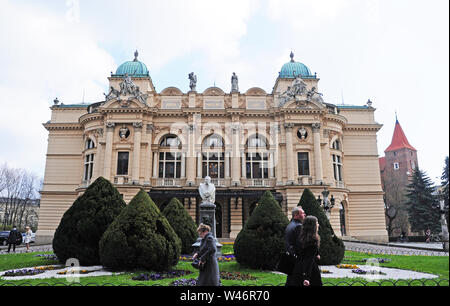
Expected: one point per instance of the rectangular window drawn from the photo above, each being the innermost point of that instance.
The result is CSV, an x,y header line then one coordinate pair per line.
x,y
337,167
88,167
122,163
303,163
169,165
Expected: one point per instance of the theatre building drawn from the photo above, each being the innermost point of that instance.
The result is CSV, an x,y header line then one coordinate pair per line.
x,y
248,142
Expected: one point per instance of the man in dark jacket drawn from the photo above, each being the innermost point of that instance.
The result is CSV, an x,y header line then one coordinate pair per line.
x,y
14,238
292,238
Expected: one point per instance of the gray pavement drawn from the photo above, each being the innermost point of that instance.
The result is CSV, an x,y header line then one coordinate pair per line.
x,y
395,249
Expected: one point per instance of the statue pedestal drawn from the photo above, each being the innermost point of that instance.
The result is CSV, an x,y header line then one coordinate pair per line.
x,y
208,216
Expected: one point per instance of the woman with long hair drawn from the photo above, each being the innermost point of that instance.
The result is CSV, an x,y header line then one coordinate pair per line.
x,y
308,269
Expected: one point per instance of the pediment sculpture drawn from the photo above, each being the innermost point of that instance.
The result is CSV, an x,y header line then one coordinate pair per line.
x,y
297,89
127,88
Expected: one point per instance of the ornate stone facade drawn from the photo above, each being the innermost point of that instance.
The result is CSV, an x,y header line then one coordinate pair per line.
x,y
246,142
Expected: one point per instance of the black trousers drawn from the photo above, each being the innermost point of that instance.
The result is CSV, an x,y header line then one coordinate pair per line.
x,y
14,247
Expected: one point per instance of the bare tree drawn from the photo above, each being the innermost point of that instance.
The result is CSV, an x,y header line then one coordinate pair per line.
x,y
20,188
395,201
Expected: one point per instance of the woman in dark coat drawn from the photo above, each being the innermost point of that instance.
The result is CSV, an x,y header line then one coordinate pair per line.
x,y
308,271
209,275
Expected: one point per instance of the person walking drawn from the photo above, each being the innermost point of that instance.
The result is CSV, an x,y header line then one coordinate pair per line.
x,y
28,234
209,275
308,272
292,240
14,239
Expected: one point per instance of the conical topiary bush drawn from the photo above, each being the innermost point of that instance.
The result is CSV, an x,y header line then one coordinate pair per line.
x,y
140,238
182,223
259,244
84,223
332,248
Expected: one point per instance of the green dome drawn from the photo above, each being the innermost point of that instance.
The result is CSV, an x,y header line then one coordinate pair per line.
x,y
134,68
292,69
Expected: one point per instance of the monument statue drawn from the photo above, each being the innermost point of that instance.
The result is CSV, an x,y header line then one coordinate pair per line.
x,y
234,83
208,211
207,191
193,81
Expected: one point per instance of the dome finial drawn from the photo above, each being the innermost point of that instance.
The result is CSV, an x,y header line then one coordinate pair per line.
x,y
136,53
292,56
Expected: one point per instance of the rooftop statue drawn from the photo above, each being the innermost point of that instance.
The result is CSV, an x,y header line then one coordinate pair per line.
x,y
193,81
207,191
234,83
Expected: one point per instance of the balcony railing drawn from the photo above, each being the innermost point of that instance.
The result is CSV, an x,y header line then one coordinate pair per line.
x,y
168,182
260,182
305,180
339,184
121,179
218,182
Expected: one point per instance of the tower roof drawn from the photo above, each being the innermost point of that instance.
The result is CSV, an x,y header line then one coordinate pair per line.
x,y
292,69
399,140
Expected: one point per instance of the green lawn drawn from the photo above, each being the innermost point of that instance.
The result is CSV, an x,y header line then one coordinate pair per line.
x,y
429,264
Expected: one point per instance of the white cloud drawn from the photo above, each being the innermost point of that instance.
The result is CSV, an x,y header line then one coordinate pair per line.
x,y
43,56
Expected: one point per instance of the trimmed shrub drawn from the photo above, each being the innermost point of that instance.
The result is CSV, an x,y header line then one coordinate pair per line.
x,y
332,248
140,238
84,223
182,223
260,243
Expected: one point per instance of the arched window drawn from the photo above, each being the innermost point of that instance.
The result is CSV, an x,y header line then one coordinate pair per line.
x,y
257,141
213,162
170,141
89,144
257,157
336,145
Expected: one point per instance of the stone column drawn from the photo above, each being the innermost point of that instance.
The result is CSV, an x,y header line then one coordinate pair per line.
x,y
183,165
243,163
108,150
98,155
317,153
199,165
148,155
190,158
155,165
135,170
289,153
235,157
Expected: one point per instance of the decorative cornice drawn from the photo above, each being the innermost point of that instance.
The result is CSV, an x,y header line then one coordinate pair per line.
x,y
363,127
62,126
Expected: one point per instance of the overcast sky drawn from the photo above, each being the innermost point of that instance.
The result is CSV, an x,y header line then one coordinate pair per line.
x,y
393,52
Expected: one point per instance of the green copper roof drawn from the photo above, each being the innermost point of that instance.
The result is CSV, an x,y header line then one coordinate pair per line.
x,y
292,69
133,68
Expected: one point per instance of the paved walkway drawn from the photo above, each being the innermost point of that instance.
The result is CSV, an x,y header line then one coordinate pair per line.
x,y
394,249
22,248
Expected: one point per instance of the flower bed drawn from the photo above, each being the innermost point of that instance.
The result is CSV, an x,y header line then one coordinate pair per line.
x,y
47,256
370,272
76,272
236,276
326,272
160,276
379,260
23,272
341,266
226,258
184,282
